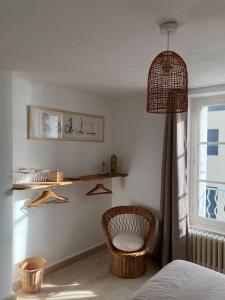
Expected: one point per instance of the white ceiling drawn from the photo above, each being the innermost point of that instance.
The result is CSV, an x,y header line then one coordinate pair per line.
x,y
105,47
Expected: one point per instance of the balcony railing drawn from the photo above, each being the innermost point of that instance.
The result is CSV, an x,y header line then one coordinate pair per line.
x,y
212,201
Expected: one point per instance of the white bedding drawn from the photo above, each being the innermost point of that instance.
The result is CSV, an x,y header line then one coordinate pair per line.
x,y
184,281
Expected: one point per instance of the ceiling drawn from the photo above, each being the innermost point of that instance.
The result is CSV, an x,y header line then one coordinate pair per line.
x,y
105,47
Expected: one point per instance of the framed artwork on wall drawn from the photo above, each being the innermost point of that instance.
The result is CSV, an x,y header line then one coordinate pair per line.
x,y
44,123
52,124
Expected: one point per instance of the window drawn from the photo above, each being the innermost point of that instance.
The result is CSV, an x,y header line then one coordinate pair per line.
x,y
212,139
207,167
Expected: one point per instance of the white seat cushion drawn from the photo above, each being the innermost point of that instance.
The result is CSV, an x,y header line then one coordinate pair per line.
x,y
128,241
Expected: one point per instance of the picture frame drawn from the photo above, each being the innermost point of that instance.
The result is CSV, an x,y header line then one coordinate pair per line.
x,y
46,123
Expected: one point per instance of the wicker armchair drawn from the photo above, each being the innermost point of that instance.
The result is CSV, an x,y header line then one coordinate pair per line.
x,y
128,219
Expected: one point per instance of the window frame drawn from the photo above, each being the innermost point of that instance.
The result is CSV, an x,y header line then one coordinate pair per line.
x,y
194,129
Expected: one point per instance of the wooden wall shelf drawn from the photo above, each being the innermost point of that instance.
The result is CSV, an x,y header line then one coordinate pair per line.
x,y
67,181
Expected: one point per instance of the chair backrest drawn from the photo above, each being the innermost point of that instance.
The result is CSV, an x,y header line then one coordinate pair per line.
x,y
128,219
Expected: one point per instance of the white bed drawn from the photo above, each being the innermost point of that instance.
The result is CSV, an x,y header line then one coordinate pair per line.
x,y
184,281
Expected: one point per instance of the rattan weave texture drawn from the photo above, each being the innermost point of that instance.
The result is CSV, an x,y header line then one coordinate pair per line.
x,y
167,84
128,219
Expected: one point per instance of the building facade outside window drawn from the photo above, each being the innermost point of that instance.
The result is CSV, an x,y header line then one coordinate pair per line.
x,y
207,164
212,139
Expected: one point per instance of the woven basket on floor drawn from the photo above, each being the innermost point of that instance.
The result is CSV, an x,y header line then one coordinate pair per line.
x,y
32,271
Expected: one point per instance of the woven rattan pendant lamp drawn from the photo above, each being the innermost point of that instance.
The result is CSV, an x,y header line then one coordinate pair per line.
x,y
167,79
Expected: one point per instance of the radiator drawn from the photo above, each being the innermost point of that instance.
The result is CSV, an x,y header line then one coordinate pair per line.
x,y
208,250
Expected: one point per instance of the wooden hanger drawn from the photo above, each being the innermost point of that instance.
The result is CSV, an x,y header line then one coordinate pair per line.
x,y
41,200
96,188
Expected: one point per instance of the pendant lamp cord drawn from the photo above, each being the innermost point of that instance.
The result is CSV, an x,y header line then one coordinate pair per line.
x,y
168,39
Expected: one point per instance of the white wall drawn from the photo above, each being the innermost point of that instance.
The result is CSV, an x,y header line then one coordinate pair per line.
x,y
56,232
5,183
138,142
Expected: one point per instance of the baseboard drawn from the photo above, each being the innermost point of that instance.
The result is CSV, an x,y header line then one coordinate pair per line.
x,y
64,263
72,259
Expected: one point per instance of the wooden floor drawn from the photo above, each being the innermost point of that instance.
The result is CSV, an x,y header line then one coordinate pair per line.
x,y
89,278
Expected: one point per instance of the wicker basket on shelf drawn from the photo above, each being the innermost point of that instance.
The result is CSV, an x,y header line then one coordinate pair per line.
x,y
27,175
32,271
55,176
